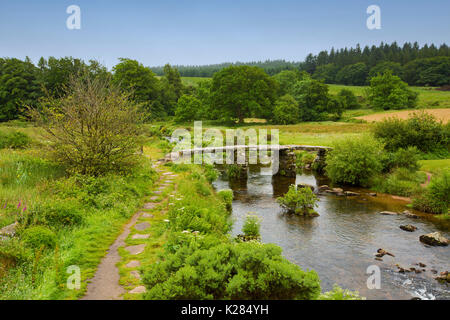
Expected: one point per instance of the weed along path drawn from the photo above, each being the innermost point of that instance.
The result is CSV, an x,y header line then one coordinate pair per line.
x,y
118,274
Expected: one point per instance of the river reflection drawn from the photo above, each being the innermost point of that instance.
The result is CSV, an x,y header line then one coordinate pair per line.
x,y
340,244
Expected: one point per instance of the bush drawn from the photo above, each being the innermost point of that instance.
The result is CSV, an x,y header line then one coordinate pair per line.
x,y
93,127
299,201
286,110
349,100
420,130
55,214
39,236
14,140
437,196
235,172
251,226
304,159
245,270
354,160
390,92
227,197
340,294
402,158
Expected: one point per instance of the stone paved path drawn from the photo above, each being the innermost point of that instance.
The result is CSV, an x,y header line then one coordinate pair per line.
x,y
105,283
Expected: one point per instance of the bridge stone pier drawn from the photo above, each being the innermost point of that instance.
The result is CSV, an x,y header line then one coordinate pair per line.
x,y
283,154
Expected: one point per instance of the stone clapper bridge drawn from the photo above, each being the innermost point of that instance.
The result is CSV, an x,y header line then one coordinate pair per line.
x,y
286,155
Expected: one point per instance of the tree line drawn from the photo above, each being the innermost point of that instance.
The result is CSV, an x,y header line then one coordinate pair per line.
x,y
428,65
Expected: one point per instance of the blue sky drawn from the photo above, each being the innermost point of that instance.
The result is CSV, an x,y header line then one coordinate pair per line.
x,y
156,32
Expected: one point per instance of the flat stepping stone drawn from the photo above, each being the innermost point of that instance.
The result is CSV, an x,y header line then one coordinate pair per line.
x,y
140,236
167,173
149,205
154,198
142,226
135,274
147,215
133,264
157,192
136,249
140,289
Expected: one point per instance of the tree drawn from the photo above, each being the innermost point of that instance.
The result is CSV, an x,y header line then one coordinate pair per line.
x,y
239,92
395,67
354,74
428,72
187,108
326,72
300,201
286,110
390,92
312,97
19,87
93,126
349,100
133,77
286,80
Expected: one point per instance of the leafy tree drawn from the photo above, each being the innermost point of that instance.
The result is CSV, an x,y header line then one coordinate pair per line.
x,y
349,100
428,72
335,107
203,93
187,108
286,80
93,127
326,72
390,92
133,77
239,92
354,74
354,160
172,88
381,68
286,110
19,87
312,97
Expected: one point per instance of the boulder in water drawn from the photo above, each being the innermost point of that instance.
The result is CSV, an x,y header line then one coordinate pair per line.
x,y
434,239
408,227
389,213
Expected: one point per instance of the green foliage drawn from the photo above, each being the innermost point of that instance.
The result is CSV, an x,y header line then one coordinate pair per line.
x,y
348,99
394,67
235,172
227,198
436,199
340,294
55,214
304,158
299,201
354,160
93,128
390,92
401,182
354,74
133,77
240,92
420,130
187,108
229,271
39,236
286,110
312,97
286,80
19,86
251,226
326,72
402,158
428,72
14,140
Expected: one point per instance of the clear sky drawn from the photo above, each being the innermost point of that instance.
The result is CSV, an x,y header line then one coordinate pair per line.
x,y
156,32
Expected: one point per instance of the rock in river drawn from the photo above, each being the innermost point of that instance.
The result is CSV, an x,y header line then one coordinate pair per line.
x,y
434,239
409,228
389,213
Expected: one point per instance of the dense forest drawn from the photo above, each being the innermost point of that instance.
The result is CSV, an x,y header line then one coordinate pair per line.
x,y
428,65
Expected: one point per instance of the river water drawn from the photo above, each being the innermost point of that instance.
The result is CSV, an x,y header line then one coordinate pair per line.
x,y
341,243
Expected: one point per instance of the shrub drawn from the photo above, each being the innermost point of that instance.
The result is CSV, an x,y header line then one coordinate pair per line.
x,y
227,197
349,100
56,214
245,270
340,294
354,160
402,158
93,127
401,182
39,236
299,201
437,196
14,140
390,92
286,110
420,130
251,226
235,172
304,159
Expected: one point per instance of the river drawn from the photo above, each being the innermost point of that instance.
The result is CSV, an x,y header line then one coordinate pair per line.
x,y
341,243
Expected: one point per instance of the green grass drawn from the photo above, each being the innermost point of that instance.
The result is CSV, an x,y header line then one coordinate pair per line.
x,y
435,166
